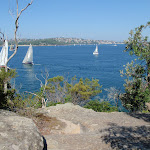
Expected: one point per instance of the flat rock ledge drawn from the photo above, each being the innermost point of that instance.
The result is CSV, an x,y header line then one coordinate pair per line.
x,y
77,128
18,133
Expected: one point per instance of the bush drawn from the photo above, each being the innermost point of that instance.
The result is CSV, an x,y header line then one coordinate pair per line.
x,y
6,97
52,104
137,92
59,90
100,106
137,86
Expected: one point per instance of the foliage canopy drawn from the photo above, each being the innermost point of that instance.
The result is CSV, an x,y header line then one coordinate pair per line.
x,y
5,77
58,90
100,106
137,83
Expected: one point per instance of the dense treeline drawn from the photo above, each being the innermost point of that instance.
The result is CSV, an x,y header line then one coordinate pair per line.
x,y
56,41
41,42
36,42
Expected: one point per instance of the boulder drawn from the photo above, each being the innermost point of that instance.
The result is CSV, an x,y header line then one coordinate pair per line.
x,y
18,133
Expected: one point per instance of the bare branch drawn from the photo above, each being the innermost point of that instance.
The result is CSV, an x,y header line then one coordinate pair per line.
x,y
46,80
16,42
41,84
33,94
43,100
23,8
43,76
11,13
16,28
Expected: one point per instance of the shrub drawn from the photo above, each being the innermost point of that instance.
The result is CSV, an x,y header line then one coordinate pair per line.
x,y
136,89
52,104
100,106
6,98
58,90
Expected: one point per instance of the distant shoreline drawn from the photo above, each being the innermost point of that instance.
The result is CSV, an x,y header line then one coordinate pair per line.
x,y
70,44
61,42
65,45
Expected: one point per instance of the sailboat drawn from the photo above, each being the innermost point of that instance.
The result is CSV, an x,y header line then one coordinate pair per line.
x,y
115,44
4,54
96,51
29,56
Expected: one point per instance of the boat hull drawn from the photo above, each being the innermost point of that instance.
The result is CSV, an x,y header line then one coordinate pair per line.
x,y
28,63
95,53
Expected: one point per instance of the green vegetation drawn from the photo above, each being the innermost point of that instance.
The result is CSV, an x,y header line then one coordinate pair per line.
x,y
84,90
58,90
137,84
58,41
136,91
139,45
6,98
37,42
100,106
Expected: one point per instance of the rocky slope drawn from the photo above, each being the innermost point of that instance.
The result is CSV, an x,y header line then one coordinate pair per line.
x,y
71,127
75,128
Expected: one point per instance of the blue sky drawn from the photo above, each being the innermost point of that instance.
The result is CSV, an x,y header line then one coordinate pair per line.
x,y
89,19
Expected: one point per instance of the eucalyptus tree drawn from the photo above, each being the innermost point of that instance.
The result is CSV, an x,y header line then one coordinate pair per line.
x,y
139,45
137,83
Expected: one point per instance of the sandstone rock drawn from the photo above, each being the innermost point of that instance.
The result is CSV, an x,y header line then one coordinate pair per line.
x,y
18,133
89,130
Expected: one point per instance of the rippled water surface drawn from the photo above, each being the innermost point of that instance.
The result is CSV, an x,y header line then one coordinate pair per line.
x,y
70,61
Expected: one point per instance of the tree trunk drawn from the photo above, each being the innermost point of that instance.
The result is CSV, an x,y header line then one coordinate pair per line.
x,y
16,42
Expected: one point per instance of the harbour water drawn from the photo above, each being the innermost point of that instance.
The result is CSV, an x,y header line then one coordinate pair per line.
x,y
69,61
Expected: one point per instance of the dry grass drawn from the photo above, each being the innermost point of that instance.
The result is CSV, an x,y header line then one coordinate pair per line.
x,y
45,124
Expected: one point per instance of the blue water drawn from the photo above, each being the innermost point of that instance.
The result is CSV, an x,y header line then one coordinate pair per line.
x,y
70,61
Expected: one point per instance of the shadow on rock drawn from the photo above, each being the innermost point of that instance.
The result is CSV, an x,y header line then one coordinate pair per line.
x,y
145,117
120,137
45,143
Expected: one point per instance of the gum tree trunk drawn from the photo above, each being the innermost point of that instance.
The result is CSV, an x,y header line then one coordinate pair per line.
x,y
16,41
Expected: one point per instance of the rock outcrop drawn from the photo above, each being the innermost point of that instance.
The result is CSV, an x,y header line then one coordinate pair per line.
x,y
84,129
71,127
18,133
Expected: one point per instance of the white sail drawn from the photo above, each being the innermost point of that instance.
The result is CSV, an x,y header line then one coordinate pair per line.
x,y
96,51
115,44
29,56
4,54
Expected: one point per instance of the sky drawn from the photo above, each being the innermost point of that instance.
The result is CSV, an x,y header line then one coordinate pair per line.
x,y
87,19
